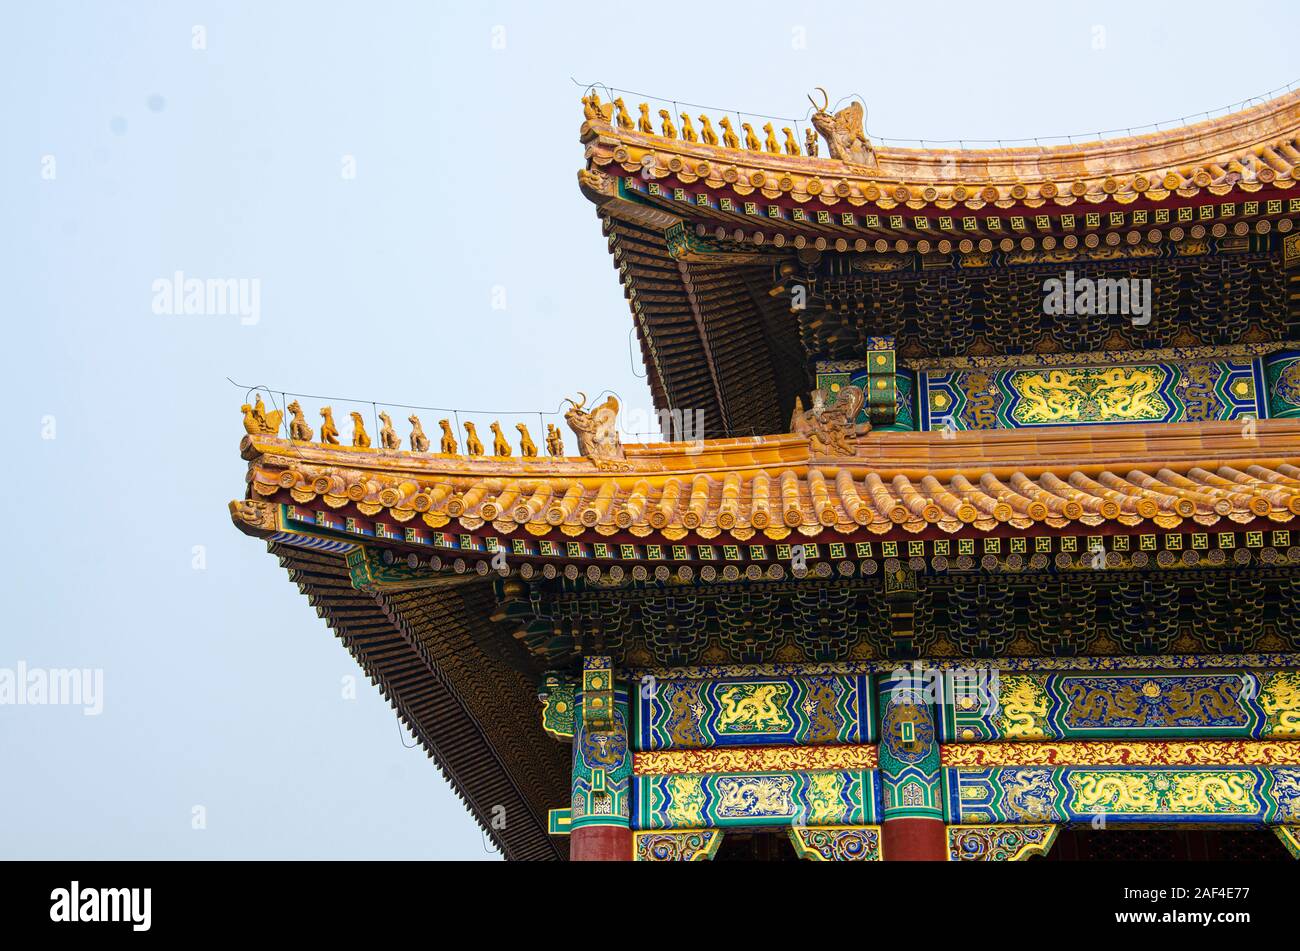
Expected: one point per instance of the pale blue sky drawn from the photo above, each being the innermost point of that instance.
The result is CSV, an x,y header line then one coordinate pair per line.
x,y
221,686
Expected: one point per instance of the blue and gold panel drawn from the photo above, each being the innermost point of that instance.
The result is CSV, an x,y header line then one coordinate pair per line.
x,y
987,398
908,754
693,714
1075,794
602,762
1282,382
719,800
1080,706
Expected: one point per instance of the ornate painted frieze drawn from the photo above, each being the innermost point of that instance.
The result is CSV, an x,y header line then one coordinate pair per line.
x,y
675,713
1037,706
1124,753
837,843
755,759
1158,663
685,845
999,843
1084,794
689,801
1138,393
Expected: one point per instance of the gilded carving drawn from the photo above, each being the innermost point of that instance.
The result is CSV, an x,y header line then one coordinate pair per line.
x,y
329,433
843,132
360,438
258,422
756,759
1123,753
527,448
448,445
254,514
419,441
686,806
755,796
298,428
1166,792
830,429
388,437
596,429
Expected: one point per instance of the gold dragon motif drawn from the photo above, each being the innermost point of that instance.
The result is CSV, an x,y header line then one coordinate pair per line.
x,y
752,708
1023,707
1090,394
1280,701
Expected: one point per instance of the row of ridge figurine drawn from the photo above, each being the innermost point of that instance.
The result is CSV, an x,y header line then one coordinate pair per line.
x,y
843,130
830,426
596,431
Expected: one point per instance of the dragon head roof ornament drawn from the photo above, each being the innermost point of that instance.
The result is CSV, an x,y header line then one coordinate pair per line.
x,y
596,429
843,131
831,427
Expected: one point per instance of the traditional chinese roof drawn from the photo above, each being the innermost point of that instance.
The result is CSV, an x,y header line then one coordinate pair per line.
x,y
412,556
462,583
1245,151
707,240
896,486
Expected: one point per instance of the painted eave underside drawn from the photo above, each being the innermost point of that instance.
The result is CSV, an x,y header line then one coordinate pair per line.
x,y
716,342
435,657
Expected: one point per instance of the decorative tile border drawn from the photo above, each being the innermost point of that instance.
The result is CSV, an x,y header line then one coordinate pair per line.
x,y
1123,753
755,759
718,800
1155,662
1122,705
1123,794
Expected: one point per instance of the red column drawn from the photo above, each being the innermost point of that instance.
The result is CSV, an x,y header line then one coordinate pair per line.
x,y
913,840
600,844
912,827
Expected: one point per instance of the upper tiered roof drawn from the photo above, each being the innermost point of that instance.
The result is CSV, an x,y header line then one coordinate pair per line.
x,y
1243,152
707,240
